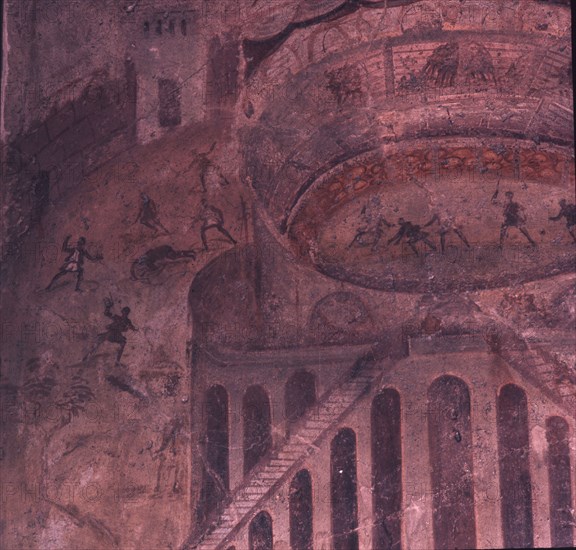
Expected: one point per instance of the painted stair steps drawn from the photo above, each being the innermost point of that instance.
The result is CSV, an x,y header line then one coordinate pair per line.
x,y
251,496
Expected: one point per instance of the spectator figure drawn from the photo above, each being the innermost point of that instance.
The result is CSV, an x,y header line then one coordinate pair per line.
x,y
74,262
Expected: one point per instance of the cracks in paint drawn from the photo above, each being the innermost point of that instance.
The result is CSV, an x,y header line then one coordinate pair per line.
x,y
86,520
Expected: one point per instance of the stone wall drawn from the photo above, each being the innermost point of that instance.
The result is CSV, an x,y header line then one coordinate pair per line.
x,y
65,148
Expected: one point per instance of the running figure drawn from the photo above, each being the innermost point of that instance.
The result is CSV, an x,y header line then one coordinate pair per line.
x,y
412,233
74,262
447,224
514,216
567,211
212,218
148,214
113,334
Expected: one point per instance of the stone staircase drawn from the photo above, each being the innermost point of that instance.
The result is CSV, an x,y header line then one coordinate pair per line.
x,y
286,461
539,366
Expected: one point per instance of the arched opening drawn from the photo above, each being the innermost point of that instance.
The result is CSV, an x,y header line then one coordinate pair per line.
x,y
260,532
561,529
171,27
450,444
183,26
343,490
386,470
257,429
146,28
300,395
301,511
216,459
514,461
159,26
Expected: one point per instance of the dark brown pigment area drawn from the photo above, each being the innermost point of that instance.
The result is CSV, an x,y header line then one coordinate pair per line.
x,y
301,511
257,430
260,533
300,395
222,77
169,113
387,470
343,491
450,443
559,479
216,474
514,458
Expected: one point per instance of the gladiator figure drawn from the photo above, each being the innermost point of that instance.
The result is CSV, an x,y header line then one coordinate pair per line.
x,y
514,216
567,211
212,218
74,262
148,214
113,334
413,234
371,215
152,262
447,224
378,232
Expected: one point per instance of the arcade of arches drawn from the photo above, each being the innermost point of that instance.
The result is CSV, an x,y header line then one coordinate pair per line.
x,y
294,274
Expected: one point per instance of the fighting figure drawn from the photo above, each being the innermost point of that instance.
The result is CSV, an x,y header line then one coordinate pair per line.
x,y
74,262
113,334
212,218
447,224
413,234
153,261
371,213
514,216
205,165
567,211
148,214
365,230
